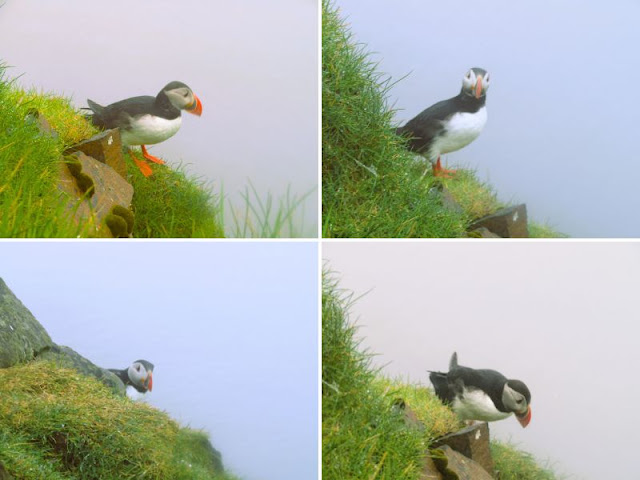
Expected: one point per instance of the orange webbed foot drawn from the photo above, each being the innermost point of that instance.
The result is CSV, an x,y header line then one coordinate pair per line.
x,y
150,157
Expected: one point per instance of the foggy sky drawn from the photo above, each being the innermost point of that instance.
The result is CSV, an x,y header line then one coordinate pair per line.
x,y
231,328
253,64
561,316
562,108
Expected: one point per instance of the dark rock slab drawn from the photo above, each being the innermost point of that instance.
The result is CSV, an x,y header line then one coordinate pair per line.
x,y
106,147
109,190
430,471
482,232
509,222
66,357
455,465
21,335
472,442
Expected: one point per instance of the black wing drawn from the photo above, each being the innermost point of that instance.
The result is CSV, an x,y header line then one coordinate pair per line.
x,y
119,114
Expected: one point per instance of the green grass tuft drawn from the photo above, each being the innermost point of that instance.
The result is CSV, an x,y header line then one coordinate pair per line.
x,y
371,185
57,424
514,464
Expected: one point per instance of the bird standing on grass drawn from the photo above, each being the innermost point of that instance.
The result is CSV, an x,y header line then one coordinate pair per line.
x,y
138,378
484,395
450,124
147,120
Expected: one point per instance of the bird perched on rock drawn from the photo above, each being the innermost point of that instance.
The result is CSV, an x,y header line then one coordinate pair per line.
x,y
138,378
147,120
450,124
484,394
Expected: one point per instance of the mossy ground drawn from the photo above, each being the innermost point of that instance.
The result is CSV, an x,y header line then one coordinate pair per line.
x,y
168,204
371,185
58,425
363,436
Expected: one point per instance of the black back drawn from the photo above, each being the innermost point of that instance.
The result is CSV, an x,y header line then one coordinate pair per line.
x,y
430,123
119,114
122,375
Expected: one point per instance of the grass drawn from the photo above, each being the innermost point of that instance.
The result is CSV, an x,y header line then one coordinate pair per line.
x,y
56,424
363,436
371,185
264,218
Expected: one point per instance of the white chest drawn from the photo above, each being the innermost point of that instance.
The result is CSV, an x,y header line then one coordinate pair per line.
x,y
148,129
476,405
462,129
135,395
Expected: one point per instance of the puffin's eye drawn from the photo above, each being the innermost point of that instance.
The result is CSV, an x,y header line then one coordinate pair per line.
x,y
137,368
468,75
487,78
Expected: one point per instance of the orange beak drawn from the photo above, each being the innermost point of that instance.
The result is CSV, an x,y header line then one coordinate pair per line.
x,y
195,107
150,381
478,92
524,419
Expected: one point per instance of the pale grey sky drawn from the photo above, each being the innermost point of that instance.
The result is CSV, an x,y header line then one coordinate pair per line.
x,y
561,316
231,328
562,129
253,64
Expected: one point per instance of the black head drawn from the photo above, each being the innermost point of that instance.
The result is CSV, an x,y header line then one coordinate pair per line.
x,y
521,388
181,97
475,82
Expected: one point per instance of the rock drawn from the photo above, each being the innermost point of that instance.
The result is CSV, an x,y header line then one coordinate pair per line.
x,y
110,189
449,202
106,147
482,232
509,222
430,471
21,335
66,357
410,417
35,117
472,442
450,463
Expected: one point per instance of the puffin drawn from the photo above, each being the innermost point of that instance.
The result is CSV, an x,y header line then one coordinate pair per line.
x,y
147,120
138,378
484,394
451,124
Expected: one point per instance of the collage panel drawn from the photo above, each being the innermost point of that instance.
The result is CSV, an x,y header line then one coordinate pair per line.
x,y
164,360
449,120
435,355
157,119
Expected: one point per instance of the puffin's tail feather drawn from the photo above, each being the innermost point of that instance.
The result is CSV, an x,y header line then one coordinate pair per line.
x,y
95,116
94,107
453,363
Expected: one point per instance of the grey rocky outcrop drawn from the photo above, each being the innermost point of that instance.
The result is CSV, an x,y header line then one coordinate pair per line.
x,y
23,339
21,335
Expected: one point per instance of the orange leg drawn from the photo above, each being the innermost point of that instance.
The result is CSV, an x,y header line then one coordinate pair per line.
x,y
438,171
148,156
142,165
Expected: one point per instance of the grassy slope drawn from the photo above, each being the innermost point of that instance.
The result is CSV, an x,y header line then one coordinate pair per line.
x,y
58,425
362,436
168,204
371,185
